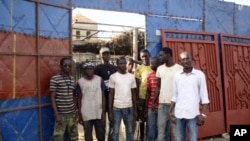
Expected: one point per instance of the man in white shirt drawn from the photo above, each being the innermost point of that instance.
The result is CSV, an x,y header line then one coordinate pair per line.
x,y
189,90
122,100
164,91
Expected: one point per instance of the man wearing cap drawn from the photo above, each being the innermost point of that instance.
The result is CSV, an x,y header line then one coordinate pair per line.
x,y
104,70
91,103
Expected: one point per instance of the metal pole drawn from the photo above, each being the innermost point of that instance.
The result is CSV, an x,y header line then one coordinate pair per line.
x,y
135,43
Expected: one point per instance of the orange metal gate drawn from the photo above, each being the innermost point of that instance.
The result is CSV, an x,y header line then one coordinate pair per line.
x,y
204,48
236,74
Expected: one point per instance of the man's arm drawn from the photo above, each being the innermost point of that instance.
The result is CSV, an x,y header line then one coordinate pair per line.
x,y
134,100
157,90
138,83
53,103
111,102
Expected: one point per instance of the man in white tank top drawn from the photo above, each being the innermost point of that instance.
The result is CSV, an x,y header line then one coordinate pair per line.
x,y
91,101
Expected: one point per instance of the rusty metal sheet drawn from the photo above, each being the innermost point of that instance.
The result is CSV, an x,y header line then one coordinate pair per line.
x,y
6,42
6,79
25,44
236,68
205,52
25,76
52,46
49,66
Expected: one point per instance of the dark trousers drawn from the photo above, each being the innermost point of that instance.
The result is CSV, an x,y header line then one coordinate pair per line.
x,y
141,117
99,129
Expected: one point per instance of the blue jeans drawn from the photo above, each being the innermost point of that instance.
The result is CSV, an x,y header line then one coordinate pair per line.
x,y
191,125
99,129
163,123
127,114
152,130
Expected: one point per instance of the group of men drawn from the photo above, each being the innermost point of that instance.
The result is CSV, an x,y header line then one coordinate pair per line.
x,y
161,94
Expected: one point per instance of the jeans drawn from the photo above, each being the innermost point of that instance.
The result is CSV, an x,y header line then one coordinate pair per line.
x,y
163,122
99,129
127,114
191,125
152,130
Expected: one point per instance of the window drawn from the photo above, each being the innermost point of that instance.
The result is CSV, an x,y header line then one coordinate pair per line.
x,y
88,33
77,34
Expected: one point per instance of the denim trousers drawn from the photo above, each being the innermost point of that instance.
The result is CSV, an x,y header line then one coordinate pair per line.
x,y
99,129
152,130
163,123
190,125
127,114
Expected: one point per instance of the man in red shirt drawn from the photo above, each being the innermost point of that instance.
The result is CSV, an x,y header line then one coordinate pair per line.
x,y
151,113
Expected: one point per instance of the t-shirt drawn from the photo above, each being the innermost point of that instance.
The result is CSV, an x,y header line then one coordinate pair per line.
x,y
151,85
122,83
63,86
166,75
91,91
104,71
141,73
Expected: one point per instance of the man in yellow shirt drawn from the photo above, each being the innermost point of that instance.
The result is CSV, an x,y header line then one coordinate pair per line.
x,y
141,74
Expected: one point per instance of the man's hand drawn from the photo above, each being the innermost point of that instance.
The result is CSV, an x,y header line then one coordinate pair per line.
x,y
172,117
103,117
110,116
153,108
201,120
80,119
58,119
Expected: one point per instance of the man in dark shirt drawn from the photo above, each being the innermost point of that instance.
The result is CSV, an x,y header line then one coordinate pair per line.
x,y
104,70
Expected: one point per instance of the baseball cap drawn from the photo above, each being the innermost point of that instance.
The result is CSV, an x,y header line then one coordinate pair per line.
x,y
104,49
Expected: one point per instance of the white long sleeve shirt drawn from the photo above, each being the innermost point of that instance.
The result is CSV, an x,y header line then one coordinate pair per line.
x,y
189,89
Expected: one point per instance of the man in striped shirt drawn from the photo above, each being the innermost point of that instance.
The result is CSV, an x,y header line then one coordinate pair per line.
x,y
151,113
61,92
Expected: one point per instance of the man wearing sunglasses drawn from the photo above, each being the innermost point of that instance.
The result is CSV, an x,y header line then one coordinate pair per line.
x,y
61,92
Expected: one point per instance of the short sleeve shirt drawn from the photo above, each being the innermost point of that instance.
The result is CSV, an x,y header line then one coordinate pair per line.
x,y
122,83
141,73
63,86
151,85
166,75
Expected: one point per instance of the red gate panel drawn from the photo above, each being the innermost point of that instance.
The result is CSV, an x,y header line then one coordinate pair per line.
x,y
204,49
236,73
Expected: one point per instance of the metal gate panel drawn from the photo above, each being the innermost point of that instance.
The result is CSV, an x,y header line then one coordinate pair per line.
x,y
23,129
25,75
49,66
6,81
24,44
204,49
52,46
54,22
236,68
6,42
218,16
